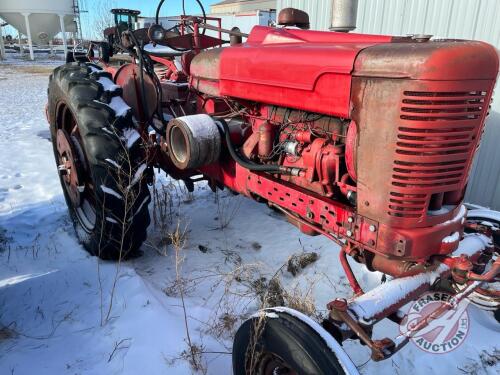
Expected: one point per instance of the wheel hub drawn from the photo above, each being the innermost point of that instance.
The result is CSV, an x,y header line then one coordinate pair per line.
x,y
69,167
271,364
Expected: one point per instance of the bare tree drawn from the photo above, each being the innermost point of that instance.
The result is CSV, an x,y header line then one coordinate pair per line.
x,y
102,18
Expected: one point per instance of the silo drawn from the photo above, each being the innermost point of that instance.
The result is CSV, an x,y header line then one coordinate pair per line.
x,y
40,20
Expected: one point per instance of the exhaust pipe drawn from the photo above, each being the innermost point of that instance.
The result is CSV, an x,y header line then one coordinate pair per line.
x,y
344,13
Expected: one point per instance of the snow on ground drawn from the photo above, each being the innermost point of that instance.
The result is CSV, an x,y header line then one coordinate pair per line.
x,y
53,295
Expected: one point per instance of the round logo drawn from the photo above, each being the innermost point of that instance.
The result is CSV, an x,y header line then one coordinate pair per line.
x,y
444,332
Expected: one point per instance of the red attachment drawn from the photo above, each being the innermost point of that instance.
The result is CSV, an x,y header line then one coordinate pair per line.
x,y
491,275
349,274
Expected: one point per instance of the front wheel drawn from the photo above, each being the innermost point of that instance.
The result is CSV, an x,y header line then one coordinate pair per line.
x,y
284,341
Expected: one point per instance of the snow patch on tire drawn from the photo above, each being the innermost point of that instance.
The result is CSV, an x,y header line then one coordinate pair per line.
x,y
130,136
138,175
110,191
107,84
344,360
113,163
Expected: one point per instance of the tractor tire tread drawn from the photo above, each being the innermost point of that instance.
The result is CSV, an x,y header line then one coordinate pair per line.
x,y
103,135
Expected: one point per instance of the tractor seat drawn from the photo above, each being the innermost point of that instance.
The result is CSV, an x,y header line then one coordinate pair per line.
x,y
205,71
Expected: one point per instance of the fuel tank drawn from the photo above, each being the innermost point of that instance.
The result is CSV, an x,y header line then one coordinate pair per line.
x,y
301,69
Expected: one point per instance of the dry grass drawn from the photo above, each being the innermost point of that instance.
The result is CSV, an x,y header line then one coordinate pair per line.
x,y
30,69
4,240
302,300
6,333
486,362
125,178
194,352
163,213
298,262
227,209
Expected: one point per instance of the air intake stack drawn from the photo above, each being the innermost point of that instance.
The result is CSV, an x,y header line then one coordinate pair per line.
x,y
344,13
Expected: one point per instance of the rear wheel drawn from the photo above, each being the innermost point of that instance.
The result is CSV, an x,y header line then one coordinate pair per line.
x,y
281,343
100,160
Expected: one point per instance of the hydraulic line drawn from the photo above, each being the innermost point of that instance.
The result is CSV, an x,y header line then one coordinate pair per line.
x,y
245,163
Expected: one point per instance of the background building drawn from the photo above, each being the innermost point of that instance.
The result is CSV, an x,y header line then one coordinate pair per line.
x,y
237,6
458,19
245,14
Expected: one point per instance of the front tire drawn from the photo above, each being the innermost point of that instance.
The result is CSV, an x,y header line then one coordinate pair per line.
x,y
100,159
279,342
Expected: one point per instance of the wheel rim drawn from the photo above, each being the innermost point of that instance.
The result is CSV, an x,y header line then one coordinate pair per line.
x,y
272,364
72,167
69,167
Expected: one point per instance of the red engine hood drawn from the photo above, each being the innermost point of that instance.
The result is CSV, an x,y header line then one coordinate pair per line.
x,y
309,70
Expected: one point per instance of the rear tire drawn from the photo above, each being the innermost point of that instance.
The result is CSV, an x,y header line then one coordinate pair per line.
x,y
110,212
284,344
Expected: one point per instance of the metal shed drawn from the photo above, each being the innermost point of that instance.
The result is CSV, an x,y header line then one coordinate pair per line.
x,y
462,19
238,6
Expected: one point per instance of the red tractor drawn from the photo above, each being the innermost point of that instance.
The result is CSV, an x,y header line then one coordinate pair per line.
x,y
365,139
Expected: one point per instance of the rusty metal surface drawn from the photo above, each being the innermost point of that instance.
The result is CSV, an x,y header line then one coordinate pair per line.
x,y
293,17
69,166
207,64
416,138
205,71
127,76
429,60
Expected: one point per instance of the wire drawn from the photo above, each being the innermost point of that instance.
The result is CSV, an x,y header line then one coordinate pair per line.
x,y
157,17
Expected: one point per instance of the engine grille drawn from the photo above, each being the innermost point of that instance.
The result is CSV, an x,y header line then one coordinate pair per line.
x,y
435,142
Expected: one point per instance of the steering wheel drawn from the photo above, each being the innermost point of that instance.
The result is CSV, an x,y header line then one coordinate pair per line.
x,y
160,4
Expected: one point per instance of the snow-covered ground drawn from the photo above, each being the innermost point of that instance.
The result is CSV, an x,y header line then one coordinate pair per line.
x,y
53,295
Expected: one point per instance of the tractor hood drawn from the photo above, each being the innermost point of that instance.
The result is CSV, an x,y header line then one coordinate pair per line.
x,y
310,70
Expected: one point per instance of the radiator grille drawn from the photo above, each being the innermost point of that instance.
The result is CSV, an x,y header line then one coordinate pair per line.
x,y
435,142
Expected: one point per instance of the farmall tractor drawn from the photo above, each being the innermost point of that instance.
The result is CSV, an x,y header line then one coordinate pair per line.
x,y
365,139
